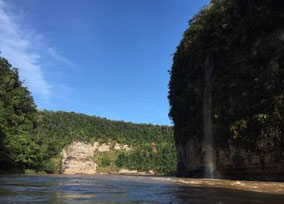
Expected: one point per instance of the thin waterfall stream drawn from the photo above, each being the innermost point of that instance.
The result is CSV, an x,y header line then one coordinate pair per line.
x,y
208,146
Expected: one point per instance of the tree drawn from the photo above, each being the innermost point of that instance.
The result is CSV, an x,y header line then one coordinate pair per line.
x,y
18,117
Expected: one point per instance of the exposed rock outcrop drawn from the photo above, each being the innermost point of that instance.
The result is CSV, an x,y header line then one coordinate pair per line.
x,y
77,157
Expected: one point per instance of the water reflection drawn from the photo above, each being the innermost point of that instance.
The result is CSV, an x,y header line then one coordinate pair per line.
x,y
122,189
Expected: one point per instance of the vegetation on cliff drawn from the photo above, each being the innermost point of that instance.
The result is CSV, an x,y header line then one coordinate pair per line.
x,y
32,139
243,40
153,145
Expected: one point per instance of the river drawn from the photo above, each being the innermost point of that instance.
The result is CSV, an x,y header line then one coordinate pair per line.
x,y
134,189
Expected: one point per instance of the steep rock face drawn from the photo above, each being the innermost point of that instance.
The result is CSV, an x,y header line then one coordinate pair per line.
x,y
242,163
77,157
246,44
243,153
232,162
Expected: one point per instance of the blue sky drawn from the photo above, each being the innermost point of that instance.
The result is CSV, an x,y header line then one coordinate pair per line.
x,y
107,58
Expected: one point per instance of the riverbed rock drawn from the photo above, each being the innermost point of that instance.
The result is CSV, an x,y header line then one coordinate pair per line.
x,y
126,171
134,172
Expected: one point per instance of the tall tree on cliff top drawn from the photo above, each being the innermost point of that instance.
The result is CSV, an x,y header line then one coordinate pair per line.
x,y
17,120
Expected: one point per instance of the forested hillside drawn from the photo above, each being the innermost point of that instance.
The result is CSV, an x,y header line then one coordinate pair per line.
x,y
32,139
153,146
241,41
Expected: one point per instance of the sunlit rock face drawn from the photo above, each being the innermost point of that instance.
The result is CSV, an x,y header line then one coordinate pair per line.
x,y
77,157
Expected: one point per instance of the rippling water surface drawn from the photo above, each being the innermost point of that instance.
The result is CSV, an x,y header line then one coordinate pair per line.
x,y
134,189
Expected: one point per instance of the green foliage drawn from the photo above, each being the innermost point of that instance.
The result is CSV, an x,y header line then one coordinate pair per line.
x,y
57,129
30,171
48,167
18,115
121,160
105,161
145,159
244,43
31,139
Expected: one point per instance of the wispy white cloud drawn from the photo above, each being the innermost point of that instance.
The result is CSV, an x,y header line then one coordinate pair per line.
x,y
16,44
26,49
54,54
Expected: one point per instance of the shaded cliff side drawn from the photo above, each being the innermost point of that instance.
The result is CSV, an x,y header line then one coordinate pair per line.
x,y
240,106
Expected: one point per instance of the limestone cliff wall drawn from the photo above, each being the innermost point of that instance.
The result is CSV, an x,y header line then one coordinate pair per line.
x,y
232,162
234,101
240,157
77,157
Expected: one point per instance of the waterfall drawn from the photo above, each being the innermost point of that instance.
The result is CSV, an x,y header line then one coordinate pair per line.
x,y
208,147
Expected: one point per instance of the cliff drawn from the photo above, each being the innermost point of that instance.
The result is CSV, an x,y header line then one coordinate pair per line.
x,y
226,92
80,157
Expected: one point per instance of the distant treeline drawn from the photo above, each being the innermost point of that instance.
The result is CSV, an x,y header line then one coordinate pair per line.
x,y
32,139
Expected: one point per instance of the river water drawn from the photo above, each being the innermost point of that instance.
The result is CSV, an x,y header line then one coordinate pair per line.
x,y
134,189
